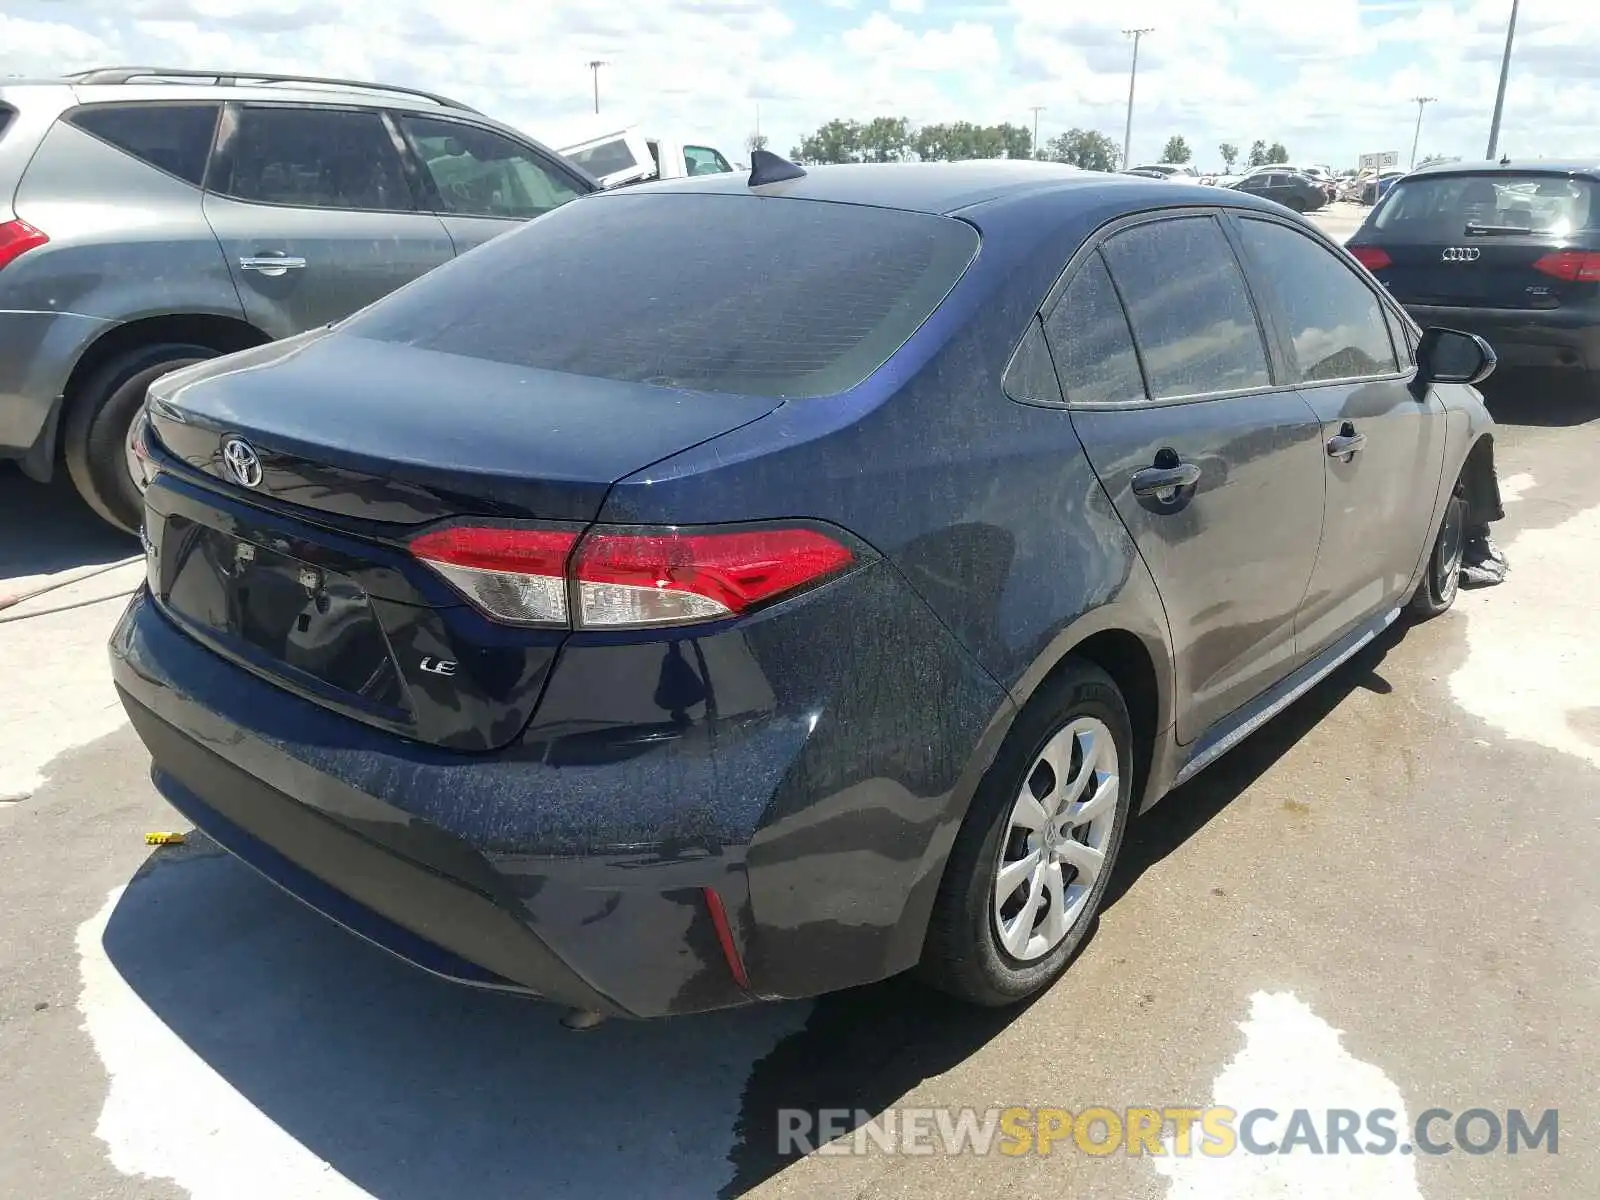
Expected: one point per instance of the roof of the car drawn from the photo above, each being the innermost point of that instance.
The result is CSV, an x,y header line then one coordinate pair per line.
x,y
949,187
1516,166
129,84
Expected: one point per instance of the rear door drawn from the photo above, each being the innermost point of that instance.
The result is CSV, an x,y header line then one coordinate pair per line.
x,y
1383,443
315,213
1214,465
482,183
1491,240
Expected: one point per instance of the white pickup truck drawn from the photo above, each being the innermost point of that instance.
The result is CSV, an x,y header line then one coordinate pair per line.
x,y
618,155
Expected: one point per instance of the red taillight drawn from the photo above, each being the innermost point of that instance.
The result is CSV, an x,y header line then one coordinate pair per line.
x,y
515,575
1371,257
622,578
16,239
670,577
1573,266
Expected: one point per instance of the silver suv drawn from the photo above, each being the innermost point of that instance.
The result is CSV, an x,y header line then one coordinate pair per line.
x,y
152,218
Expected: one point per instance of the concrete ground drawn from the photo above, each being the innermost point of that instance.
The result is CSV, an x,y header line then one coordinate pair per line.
x,y
1385,899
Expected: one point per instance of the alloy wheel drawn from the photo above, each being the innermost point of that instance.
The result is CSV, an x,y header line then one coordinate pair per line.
x,y
1449,551
1055,844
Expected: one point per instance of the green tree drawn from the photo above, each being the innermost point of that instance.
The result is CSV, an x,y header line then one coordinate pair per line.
x,y
1176,151
886,139
963,140
1084,148
836,142
1258,154
1276,153
1230,155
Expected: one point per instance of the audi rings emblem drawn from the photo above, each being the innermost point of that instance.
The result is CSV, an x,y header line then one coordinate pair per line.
x,y
1461,254
242,461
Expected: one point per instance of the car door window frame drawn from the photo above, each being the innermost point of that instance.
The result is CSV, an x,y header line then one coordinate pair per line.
x,y
426,189
1277,365
219,172
1259,279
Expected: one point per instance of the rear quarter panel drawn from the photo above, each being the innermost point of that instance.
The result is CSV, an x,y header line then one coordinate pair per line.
x,y
126,240
986,508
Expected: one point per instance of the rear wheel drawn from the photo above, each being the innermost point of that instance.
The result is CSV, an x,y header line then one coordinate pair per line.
x,y
100,417
1295,204
1032,860
1441,581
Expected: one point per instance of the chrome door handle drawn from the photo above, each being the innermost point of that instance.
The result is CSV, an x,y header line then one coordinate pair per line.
x,y
1346,443
271,264
1153,481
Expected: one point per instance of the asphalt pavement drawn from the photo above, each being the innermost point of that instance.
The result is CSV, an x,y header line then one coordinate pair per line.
x,y
1386,899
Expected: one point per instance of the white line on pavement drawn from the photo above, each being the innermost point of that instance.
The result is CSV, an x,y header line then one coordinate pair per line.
x,y
1292,1059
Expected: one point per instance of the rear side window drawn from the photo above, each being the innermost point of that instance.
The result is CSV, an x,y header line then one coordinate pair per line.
x,y
5,118
703,160
175,138
1031,375
1189,308
1445,207
317,158
1334,320
607,158
1088,334
735,293
478,173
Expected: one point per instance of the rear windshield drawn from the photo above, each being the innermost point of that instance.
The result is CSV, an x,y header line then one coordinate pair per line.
x,y
1432,207
724,293
606,159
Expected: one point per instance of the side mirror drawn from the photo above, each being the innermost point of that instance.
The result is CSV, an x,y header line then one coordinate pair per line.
x,y
1450,356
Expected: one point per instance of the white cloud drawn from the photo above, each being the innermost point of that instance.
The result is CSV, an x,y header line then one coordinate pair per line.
x,y
1328,79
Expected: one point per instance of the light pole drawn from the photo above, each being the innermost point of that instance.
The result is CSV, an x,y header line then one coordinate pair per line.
x,y
1036,109
1422,103
594,65
1500,95
1133,75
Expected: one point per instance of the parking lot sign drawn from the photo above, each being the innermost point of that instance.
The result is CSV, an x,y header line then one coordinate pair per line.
x,y
1382,160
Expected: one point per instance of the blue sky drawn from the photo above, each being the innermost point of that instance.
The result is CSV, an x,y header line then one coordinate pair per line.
x,y
1330,79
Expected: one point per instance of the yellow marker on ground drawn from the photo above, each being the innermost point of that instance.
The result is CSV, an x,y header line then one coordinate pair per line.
x,y
163,839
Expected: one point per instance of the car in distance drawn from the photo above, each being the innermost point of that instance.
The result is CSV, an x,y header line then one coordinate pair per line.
x,y
1180,172
1507,250
153,218
1291,189
660,633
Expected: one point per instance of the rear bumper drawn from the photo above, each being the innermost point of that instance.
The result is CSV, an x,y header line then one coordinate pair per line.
x,y
575,865
1568,340
37,353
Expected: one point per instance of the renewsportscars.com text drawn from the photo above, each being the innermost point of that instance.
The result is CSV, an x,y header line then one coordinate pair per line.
x,y
1214,1132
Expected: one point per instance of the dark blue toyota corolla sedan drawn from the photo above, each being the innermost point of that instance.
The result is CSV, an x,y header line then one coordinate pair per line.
x,y
744,588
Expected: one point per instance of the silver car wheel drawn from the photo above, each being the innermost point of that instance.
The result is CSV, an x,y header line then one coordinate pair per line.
x,y
1054,847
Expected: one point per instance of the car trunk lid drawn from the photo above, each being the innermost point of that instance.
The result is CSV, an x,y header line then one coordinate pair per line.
x,y
345,427
293,563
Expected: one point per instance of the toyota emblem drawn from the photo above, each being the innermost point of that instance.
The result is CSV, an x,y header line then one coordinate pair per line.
x,y
1461,254
243,463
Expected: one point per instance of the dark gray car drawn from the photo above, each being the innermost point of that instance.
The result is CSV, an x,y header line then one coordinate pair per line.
x,y
151,219
1289,188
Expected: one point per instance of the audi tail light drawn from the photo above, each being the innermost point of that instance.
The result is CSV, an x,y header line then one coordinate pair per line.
x,y
16,239
1573,266
1372,258
622,577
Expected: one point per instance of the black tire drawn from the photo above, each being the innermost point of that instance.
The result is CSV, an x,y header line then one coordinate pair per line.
x,y
1441,578
1295,204
963,954
99,416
